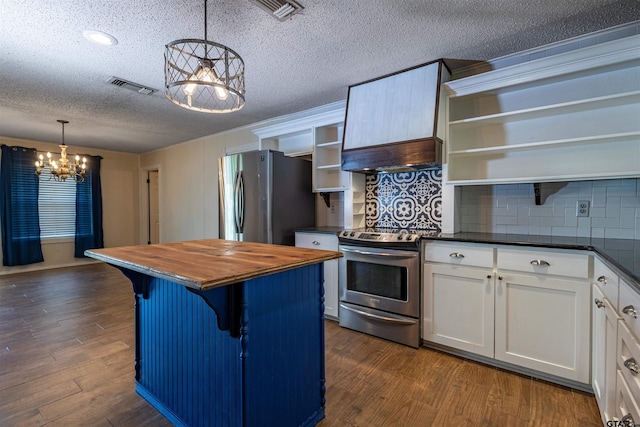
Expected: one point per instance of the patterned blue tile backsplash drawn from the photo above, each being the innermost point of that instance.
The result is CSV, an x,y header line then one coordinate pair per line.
x,y
404,200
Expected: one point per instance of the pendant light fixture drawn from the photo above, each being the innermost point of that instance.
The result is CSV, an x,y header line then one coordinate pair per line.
x,y
62,168
203,76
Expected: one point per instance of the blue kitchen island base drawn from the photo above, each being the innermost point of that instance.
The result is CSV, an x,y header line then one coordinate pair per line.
x,y
246,354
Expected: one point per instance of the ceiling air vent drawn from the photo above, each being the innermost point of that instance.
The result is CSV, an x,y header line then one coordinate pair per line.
x,y
125,84
282,10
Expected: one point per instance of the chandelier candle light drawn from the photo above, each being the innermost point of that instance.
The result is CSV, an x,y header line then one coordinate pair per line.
x,y
204,76
63,168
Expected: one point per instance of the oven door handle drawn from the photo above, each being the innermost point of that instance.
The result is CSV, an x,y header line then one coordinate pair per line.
x,y
377,317
357,251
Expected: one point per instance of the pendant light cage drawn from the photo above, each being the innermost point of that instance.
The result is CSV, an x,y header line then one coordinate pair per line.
x,y
204,76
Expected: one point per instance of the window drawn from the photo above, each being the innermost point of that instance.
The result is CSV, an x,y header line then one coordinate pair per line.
x,y
57,209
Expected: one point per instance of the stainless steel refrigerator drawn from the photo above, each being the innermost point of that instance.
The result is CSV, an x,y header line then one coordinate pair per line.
x,y
264,197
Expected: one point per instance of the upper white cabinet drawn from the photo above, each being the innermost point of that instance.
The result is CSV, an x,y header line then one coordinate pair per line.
x,y
564,117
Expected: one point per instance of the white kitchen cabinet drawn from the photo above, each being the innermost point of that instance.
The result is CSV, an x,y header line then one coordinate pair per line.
x,y
458,299
524,306
564,117
604,329
458,307
329,242
607,280
627,409
627,403
542,321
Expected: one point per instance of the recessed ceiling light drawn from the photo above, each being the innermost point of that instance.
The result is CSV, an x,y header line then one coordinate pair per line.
x,y
100,37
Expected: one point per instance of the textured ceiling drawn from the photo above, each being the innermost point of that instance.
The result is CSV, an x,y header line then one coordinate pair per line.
x,y
48,71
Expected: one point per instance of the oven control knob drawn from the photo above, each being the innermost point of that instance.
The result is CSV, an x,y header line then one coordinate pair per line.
x,y
409,237
400,237
353,233
345,233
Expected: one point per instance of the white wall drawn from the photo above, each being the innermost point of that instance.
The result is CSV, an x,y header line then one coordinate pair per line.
x,y
188,180
188,185
120,204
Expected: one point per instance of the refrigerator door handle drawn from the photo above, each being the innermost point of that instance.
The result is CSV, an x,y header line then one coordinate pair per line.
x,y
239,202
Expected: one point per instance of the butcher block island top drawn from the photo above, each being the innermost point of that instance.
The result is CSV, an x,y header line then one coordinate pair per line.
x,y
210,263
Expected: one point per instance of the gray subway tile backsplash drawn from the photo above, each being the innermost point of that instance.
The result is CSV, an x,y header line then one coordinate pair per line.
x,y
511,208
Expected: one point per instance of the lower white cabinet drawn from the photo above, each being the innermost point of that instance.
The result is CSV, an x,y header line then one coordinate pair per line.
x,y
628,380
458,308
518,309
627,401
542,323
327,242
604,329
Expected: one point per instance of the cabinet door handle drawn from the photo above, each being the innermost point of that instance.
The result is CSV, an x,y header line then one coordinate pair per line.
x,y
602,280
631,311
489,276
627,420
499,277
456,255
599,303
315,242
631,365
540,262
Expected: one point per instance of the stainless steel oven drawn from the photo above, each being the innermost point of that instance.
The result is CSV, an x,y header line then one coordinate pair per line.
x,y
380,285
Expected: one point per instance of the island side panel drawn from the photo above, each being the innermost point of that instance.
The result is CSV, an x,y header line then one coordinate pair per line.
x,y
189,369
283,333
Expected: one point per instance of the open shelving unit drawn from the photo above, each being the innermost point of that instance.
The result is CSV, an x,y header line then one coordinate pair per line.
x,y
569,116
327,159
318,137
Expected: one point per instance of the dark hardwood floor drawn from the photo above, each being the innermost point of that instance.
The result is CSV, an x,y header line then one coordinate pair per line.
x,y
66,358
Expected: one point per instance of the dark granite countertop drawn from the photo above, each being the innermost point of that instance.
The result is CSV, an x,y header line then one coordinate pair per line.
x,y
325,229
622,254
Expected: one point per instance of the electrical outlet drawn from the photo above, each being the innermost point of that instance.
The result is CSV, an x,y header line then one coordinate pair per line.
x,y
333,207
582,208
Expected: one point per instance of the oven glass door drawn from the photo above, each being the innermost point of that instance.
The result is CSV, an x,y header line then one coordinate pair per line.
x,y
383,279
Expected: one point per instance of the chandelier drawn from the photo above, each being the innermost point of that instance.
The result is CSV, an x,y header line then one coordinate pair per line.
x,y
203,76
62,168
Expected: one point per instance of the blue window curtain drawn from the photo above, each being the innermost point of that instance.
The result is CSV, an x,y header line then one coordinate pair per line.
x,y
89,209
19,217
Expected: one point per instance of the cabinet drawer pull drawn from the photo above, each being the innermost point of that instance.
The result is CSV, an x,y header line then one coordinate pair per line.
x,y
602,280
631,365
540,262
627,420
456,255
315,242
629,310
489,276
599,303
